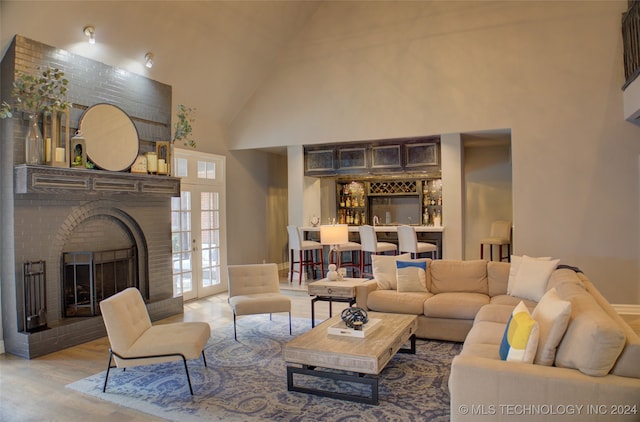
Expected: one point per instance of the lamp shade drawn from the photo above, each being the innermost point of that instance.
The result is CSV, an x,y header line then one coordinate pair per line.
x,y
334,234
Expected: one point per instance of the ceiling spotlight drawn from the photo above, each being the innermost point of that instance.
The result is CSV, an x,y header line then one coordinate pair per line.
x,y
148,58
90,32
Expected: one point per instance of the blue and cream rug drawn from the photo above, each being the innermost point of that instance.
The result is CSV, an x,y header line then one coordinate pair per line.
x,y
246,381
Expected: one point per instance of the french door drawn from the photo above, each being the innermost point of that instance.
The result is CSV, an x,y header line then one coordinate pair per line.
x,y
198,226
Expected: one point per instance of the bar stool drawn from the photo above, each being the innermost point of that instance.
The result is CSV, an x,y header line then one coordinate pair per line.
x,y
500,235
354,264
308,253
408,242
369,243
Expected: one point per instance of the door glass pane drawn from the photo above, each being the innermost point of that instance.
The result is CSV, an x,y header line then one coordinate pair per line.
x,y
209,235
181,244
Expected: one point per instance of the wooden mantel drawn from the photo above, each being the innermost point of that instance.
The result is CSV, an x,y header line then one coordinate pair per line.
x,y
55,180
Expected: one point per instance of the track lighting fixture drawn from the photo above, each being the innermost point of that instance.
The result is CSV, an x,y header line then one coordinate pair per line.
x,y
148,58
90,32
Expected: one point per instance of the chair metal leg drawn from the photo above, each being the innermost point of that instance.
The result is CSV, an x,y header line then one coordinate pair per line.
x,y
204,358
289,322
106,377
186,369
235,335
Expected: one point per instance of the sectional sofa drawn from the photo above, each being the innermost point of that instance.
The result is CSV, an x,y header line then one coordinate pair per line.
x,y
585,364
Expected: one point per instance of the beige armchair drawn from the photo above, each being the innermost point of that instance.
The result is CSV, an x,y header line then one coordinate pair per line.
x,y
134,341
255,289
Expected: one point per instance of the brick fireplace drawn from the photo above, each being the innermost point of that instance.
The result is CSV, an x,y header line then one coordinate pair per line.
x,y
49,211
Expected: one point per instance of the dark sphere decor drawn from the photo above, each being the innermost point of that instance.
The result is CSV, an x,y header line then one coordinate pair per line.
x,y
354,317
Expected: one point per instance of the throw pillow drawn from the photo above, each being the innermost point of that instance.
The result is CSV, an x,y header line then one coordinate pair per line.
x,y
515,266
384,269
520,339
412,276
552,315
532,278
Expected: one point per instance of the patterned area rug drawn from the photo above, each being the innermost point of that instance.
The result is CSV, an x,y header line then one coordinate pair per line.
x,y
246,381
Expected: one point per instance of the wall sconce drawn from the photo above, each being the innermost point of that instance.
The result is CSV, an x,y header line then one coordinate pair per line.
x,y
148,58
90,32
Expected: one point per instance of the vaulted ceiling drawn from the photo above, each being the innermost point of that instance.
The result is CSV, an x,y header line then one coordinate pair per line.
x,y
214,53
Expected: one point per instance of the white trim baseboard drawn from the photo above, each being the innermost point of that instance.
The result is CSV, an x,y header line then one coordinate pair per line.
x,y
624,309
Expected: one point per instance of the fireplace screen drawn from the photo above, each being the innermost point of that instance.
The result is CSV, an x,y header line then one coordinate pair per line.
x,y
89,277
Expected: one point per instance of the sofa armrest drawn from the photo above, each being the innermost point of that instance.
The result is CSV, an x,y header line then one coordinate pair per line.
x,y
362,293
489,389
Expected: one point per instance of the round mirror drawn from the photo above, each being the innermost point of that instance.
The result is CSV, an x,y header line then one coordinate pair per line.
x,y
110,136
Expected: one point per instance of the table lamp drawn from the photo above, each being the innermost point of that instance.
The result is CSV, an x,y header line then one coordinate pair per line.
x,y
334,235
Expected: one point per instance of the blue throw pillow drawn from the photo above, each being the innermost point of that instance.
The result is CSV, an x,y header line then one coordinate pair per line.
x,y
412,276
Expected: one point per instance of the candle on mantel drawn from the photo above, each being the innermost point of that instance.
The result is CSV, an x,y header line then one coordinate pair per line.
x,y
60,155
152,162
162,166
47,150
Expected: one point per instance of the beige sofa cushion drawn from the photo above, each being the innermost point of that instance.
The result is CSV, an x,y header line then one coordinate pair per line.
x,y
593,341
398,303
512,301
459,276
532,278
455,305
628,363
498,277
552,315
384,269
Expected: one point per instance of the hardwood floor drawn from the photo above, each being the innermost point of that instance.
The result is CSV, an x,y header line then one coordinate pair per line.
x,y
34,390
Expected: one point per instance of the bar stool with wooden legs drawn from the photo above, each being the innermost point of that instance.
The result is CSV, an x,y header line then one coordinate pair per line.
x,y
355,249
408,242
369,243
309,254
500,235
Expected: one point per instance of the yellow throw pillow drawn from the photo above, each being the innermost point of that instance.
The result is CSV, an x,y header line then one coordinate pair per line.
x,y
520,339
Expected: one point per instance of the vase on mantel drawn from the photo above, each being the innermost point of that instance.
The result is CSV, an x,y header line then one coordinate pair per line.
x,y
33,145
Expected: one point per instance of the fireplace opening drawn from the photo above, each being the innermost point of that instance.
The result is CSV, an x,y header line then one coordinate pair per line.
x,y
89,277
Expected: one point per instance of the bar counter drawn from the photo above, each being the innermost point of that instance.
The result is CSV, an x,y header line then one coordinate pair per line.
x,y
381,228
385,233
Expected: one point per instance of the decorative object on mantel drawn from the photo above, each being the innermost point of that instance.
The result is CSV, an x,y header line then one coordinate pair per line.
x,y
163,151
140,165
152,162
111,137
78,151
34,95
56,138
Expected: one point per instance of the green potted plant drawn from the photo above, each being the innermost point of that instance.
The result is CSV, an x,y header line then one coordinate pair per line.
x,y
183,127
33,95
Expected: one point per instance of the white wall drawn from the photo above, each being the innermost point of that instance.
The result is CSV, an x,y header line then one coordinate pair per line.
x,y
550,72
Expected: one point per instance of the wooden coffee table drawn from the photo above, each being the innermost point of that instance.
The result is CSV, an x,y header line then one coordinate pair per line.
x,y
359,360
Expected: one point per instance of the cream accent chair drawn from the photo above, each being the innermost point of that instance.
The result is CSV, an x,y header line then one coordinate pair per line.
x,y
500,235
255,289
408,242
134,341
